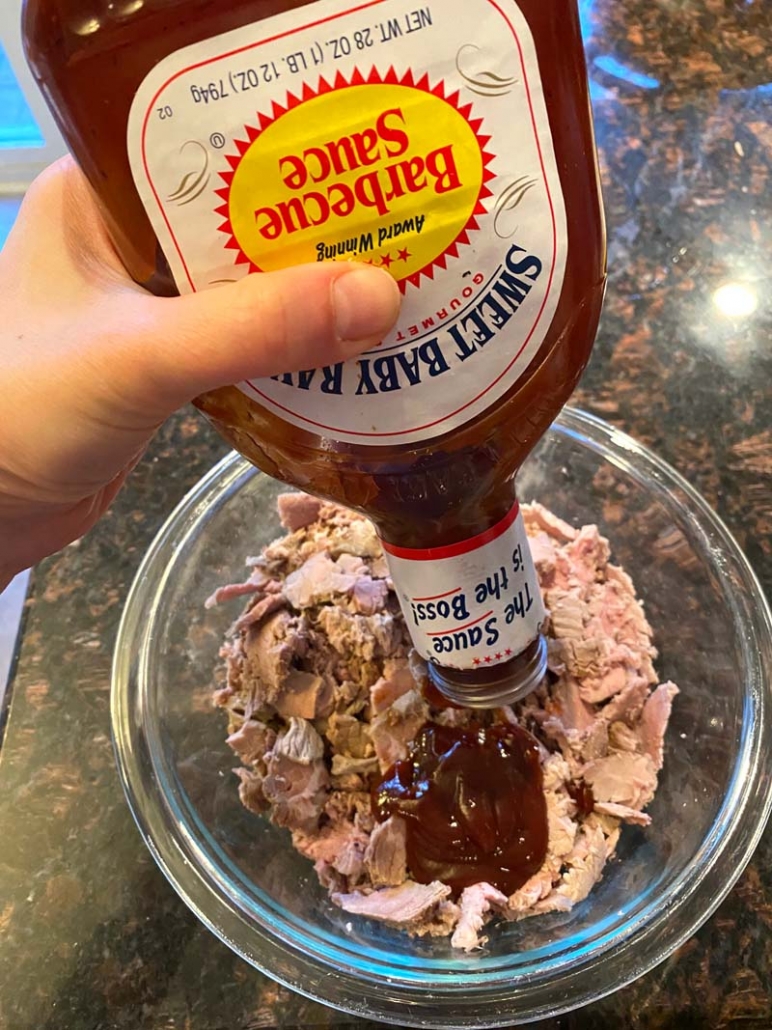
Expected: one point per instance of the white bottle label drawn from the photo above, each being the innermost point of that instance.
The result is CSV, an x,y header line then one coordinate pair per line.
x,y
409,135
471,604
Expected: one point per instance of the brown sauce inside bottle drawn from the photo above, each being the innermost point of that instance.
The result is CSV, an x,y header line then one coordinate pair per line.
x,y
474,804
90,57
433,696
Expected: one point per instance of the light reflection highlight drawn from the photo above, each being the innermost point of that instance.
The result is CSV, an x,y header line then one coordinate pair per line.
x,y
736,300
88,27
612,66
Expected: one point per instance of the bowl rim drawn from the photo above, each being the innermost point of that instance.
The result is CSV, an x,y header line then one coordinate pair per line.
x,y
317,968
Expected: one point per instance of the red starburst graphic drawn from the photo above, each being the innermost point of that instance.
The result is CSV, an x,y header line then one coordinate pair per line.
x,y
374,77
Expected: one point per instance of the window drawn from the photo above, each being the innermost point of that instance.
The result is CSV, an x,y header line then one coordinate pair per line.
x,y
29,139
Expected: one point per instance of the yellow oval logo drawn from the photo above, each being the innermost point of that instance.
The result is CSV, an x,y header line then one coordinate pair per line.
x,y
383,170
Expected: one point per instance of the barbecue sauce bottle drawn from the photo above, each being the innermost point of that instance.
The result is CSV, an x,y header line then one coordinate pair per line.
x,y
449,142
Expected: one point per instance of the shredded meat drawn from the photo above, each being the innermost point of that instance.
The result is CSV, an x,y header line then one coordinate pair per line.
x,y
623,778
394,728
251,740
654,720
296,511
323,692
386,855
404,906
476,902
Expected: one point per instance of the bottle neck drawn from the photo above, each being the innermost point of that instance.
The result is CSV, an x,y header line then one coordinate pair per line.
x,y
503,684
474,611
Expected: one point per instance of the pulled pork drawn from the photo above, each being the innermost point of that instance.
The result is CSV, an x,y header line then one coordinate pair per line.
x,y
323,691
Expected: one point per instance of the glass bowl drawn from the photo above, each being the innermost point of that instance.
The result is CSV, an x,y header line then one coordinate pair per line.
x,y
239,874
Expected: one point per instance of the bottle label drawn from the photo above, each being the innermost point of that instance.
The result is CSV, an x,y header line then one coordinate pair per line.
x,y
412,136
472,604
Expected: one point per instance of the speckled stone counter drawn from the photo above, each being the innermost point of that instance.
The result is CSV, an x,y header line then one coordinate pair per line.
x,y
91,935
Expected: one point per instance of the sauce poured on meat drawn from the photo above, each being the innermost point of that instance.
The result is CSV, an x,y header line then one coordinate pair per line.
x,y
582,796
473,801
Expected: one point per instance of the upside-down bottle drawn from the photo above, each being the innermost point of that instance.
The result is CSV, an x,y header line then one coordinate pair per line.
x,y
449,142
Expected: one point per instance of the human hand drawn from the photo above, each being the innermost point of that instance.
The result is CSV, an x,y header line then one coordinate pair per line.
x,y
91,364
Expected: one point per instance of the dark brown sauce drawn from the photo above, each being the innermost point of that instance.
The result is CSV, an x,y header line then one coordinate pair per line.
x,y
421,494
474,804
582,796
433,696
418,494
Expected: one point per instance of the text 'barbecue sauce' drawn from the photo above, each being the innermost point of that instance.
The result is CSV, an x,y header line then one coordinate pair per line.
x,y
449,143
474,804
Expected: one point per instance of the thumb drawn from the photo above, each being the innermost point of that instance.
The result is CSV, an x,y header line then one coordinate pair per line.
x,y
265,324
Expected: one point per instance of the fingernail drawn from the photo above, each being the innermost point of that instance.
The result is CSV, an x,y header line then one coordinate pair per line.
x,y
365,304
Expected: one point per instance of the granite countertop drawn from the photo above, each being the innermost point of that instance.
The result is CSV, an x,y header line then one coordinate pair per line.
x,y
91,935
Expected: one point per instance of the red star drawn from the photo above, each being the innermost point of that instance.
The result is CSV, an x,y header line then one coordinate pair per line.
x,y
477,661
403,254
508,651
498,655
386,260
487,658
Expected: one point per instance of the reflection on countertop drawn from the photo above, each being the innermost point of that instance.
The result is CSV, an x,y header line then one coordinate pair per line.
x,y
92,934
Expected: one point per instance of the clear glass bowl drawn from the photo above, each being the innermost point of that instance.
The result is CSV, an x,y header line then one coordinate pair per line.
x,y
240,875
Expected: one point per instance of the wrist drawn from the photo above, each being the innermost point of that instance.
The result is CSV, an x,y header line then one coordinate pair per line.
x,y
15,536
